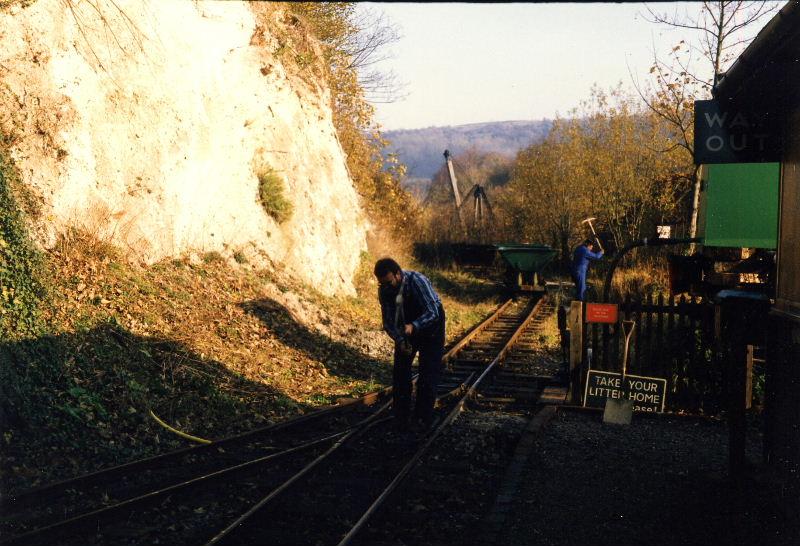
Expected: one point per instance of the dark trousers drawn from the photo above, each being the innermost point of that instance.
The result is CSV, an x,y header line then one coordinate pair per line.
x,y
580,286
430,346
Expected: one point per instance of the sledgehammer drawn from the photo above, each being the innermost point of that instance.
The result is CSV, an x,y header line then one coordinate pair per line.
x,y
596,238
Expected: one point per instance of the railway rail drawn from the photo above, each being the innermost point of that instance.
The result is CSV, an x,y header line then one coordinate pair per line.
x,y
338,465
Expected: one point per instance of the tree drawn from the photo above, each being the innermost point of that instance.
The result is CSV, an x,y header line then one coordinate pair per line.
x,y
724,28
354,40
606,161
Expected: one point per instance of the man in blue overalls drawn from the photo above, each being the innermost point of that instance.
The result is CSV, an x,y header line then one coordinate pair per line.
x,y
414,318
580,265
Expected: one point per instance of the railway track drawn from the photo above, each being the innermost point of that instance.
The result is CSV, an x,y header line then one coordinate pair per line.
x,y
456,483
337,466
69,505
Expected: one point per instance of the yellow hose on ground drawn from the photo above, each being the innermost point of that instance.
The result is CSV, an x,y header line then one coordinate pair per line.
x,y
178,432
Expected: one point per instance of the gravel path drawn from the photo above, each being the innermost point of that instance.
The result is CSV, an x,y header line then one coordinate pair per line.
x,y
659,481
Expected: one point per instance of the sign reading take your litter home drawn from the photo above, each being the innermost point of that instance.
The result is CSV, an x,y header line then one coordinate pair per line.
x,y
648,393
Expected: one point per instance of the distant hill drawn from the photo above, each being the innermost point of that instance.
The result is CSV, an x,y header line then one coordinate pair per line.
x,y
421,149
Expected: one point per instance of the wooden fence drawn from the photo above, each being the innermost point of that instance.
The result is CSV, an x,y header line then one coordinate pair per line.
x,y
673,339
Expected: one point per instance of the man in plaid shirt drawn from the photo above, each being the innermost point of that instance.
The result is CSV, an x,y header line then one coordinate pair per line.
x,y
414,318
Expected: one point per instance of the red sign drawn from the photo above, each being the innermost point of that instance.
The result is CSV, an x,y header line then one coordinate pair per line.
x,y
601,312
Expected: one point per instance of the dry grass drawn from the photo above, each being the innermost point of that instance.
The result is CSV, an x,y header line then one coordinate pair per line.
x,y
644,279
213,346
245,328
647,278
225,313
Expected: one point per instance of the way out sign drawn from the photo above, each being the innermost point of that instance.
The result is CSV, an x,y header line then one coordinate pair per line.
x,y
731,135
602,312
647,393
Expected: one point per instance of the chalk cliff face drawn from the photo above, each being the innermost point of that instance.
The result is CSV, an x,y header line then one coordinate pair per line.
x,y
147,124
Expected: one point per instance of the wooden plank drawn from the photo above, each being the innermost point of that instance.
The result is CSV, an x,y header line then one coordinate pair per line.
x,y
649,365
596,349
680,361
660,360
748,393
672,338
635,359
575,325
554,395
692,368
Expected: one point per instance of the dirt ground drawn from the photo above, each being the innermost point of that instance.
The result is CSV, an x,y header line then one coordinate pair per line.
x,y
661,480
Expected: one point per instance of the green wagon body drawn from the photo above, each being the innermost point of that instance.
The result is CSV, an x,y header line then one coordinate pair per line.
x,y
527,258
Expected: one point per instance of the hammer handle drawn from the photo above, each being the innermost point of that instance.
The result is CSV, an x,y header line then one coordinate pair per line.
x,y
596,237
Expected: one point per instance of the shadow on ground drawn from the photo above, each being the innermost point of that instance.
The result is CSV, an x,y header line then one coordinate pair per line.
x,y
466,289
76,402
339,358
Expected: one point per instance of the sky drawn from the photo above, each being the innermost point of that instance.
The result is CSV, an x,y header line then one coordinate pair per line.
x,y
468,63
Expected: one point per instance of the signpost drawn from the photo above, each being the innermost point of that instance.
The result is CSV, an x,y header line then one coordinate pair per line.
x,y
602,312
648,393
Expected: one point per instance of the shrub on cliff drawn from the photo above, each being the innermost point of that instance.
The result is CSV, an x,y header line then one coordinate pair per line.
x,y
271,192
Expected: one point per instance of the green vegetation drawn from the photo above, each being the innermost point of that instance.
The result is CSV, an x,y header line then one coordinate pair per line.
x,y
213,256
199,344
271,192
21,285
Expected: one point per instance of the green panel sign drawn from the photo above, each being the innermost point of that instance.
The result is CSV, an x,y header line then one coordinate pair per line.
x,y
741,205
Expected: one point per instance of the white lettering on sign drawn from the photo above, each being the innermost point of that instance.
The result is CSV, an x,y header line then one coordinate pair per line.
x,y
716,119
718,143
608,381
737,143
742,145
646,393
734,136
739,120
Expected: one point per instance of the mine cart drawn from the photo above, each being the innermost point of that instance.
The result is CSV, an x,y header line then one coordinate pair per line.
x,y
526,262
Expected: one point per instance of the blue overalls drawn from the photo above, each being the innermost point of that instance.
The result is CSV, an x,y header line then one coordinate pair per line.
x,y
580,265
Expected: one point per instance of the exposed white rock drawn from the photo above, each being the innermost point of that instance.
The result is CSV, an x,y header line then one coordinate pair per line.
x,y
147,126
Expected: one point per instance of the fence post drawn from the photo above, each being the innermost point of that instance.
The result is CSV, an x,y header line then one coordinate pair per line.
x,y
575,322
748,393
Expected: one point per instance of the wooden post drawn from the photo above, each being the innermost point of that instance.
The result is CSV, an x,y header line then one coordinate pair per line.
x,y
575,322
659,356
737,318
737,426
748,393
671,365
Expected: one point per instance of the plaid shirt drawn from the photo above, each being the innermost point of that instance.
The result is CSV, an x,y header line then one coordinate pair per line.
x,y
418,287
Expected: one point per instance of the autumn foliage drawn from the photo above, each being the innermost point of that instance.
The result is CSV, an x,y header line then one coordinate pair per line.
x,y
612,159
349,40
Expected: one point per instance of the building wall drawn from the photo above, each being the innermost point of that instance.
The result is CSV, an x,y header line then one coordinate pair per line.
x,y
788,287
782,410
782,400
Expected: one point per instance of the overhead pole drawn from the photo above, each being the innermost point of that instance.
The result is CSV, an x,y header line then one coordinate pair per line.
x,y
451,173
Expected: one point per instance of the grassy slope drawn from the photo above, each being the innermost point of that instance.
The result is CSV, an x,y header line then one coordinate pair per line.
x,y
212,347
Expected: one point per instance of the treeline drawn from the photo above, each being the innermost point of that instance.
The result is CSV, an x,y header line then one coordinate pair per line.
x,y
421,149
